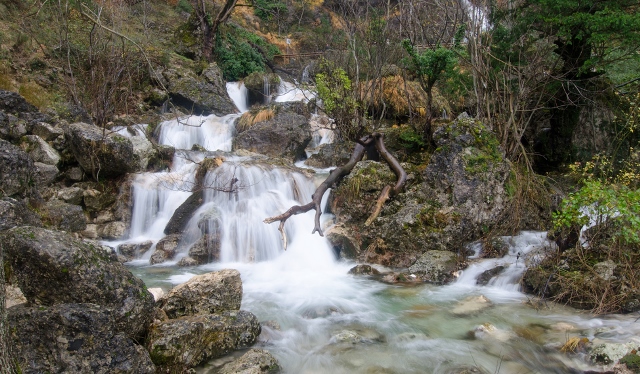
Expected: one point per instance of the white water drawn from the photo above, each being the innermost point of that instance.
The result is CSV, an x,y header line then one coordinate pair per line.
x,y
315,302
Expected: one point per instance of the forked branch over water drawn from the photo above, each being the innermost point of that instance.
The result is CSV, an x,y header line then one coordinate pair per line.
x,y
362,146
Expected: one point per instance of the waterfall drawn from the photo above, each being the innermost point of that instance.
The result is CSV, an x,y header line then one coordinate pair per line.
x,y
210,132
266,89
238,94
305,74
238,197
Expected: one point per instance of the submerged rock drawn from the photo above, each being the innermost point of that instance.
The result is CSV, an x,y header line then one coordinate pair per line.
x,y
214,292
73,338
610,353
52,268
255,361
363,269
486,275
191,340
471,305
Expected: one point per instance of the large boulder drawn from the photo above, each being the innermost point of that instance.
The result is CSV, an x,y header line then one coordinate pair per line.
x,y
214,292
101,153
63,216
17,171
52,268
285,134
15,213
261,87
203,94
189,341
206,249
73,338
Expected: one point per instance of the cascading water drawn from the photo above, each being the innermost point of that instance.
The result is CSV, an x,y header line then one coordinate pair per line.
x,y
330,321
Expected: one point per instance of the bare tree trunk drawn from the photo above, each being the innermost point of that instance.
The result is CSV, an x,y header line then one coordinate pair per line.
x,y
7,365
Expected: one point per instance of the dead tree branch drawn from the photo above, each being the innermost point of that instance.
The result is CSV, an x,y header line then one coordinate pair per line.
x,y
337,174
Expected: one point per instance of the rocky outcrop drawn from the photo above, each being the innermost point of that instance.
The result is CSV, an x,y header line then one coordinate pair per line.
x,y
328,155
203,94
191,340
460,192
73,338
286,135
101,153
54,268
17,116
204,294
17,171
255,361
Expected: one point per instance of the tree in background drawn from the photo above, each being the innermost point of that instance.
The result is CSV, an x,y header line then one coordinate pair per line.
x,y
430,66
209,24
588,35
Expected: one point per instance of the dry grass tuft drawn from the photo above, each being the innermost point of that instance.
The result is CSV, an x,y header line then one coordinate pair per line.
x,y
249,119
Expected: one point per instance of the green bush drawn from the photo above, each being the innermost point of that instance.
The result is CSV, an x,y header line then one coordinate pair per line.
x,y
237,57
600,202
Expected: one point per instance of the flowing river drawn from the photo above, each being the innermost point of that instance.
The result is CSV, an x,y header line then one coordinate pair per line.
x,y
320,319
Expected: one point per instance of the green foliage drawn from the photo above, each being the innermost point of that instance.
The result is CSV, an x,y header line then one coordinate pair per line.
x,y
600,27
410,140
430,65
601,203
632,361
338,96
237,57
266,9
184,6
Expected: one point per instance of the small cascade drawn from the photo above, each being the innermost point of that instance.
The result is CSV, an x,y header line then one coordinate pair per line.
x,y
290,92
305,74
266,89
210,132
239,95
522,249
158,195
